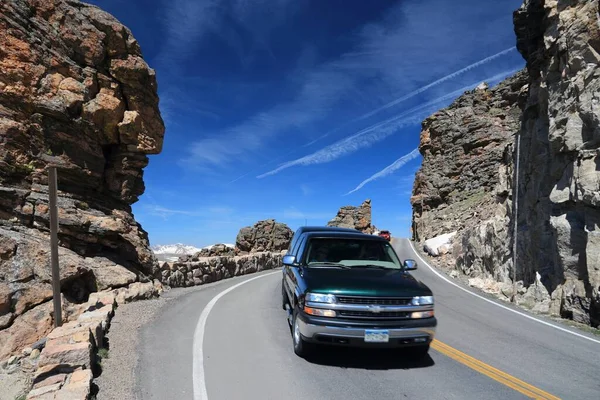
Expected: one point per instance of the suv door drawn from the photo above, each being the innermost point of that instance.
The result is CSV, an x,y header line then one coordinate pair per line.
x,y
290,272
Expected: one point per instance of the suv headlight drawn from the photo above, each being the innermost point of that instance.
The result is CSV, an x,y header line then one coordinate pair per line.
x,y
422,301
320,298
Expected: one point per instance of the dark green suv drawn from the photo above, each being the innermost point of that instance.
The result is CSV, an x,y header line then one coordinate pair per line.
x,y
343,287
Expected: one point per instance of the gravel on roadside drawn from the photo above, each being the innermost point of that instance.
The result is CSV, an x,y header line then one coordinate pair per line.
x,y
117,380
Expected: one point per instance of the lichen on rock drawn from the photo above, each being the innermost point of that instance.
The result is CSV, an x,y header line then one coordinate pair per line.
x,y
353,217
76,93
466,182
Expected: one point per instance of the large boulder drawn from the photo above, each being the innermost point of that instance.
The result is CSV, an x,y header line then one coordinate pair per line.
x,y
266,235
352,217
76,93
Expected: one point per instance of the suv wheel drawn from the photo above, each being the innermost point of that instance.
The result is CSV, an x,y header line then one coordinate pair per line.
x,y
284,299
301,348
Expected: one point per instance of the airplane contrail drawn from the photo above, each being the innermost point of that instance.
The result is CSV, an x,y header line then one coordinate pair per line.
x,y
389,169
406,158
392,103
381,130
418,91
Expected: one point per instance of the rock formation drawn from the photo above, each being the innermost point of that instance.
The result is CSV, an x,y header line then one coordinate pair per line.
x,y
352,217
466,181
204,270
217,250
75,92
559,192
264,236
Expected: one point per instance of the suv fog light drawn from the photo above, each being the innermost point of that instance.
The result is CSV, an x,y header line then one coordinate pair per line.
x,y
422,314
318,312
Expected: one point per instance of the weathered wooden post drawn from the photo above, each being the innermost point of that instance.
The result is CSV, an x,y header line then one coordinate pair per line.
x,y
52,194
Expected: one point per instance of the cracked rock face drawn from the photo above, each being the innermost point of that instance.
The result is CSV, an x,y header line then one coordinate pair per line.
x,y
352,217
555,108
75,92
559,184
264,236
464,183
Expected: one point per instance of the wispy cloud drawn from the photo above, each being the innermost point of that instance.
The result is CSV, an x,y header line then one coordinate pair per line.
x,y
208,212
416,92
381,58
399,163
189,22
321,89
306,190
379,131
294,213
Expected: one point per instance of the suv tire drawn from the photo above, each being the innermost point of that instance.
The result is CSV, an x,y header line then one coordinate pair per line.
x,y
301,348
284,299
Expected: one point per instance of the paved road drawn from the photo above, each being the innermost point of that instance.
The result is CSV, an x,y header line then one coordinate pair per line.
x,y
481,351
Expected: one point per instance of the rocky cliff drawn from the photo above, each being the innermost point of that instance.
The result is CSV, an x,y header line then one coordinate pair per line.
x,y
464,182
558,195
75,92
264,236
353,217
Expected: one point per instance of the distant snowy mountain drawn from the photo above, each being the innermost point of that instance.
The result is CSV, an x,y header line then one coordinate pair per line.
x,y
178,248
226,245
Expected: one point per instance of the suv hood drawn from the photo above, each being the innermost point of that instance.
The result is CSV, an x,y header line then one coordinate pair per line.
x,y
363,282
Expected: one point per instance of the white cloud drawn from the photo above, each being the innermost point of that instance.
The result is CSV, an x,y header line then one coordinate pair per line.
x,y
189,22
399,163
417,91
208,212
379,131
306,190
381,64
294,213
382,58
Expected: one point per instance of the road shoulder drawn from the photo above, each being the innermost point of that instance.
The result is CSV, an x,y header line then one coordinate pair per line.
x,y
462,281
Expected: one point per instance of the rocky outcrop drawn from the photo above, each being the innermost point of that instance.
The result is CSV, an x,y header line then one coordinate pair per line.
x,y
466,183
217,250
264,236
211,269
352,217
76,93
559,192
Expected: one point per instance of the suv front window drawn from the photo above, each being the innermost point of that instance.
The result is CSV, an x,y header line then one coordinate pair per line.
x,y
352,252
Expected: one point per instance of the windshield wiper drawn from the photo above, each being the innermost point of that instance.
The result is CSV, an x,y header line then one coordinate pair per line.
x,y
370,266
327,264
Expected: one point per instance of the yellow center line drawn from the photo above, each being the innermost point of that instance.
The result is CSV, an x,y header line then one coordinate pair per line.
x,y
491,372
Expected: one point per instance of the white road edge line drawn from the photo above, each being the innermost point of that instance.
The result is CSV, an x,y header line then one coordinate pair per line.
x,y
499,305
199,383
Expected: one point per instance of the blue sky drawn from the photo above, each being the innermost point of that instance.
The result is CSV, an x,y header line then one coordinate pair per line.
x,y
290,109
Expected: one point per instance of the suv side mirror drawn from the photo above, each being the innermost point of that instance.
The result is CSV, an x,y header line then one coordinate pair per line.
x,y
288,260
410,265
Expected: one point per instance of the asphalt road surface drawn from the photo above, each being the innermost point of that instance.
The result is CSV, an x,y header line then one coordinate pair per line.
x,y
211,344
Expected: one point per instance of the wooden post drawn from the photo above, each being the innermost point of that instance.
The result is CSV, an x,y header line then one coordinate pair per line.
x,y
52,194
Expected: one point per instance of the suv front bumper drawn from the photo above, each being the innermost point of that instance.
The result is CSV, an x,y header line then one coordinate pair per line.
x,y
402,333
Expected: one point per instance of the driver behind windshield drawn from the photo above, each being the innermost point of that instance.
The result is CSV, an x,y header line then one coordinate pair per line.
x,y
318,254
369,252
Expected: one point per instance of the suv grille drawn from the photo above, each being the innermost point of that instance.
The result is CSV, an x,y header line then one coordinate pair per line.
x,y
370,315
387,301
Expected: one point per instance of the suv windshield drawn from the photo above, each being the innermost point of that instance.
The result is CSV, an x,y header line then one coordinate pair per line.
x,y
351,253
